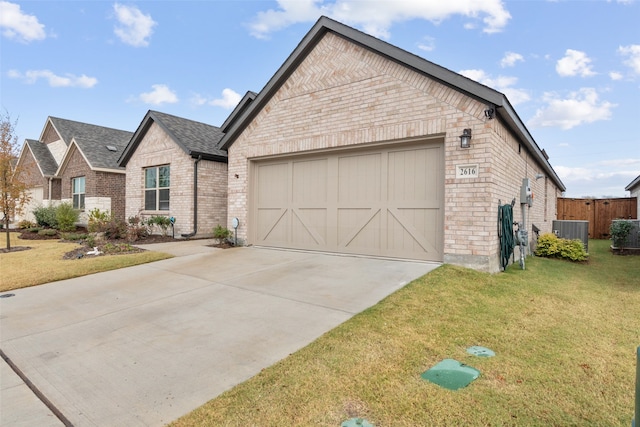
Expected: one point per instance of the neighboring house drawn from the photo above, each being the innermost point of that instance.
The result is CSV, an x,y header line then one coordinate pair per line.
x,y
77,163
634,189
174,168
354,146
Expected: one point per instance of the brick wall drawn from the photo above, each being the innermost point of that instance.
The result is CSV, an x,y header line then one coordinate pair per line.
x,y
342,94
157,149
103,190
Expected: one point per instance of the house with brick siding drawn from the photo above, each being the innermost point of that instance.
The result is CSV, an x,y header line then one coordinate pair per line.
x,y
75,162
175,168
355,146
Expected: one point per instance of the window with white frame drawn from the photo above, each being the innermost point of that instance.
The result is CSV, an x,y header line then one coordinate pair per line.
x,y
156,188
77,192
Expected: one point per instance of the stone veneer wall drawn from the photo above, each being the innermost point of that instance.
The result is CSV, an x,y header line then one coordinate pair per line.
x,y
342,94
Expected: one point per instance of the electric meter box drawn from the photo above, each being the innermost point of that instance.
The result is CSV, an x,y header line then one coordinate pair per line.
x,y
526,196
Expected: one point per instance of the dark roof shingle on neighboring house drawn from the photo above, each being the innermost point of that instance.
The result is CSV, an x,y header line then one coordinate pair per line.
x,y
43,157
104,153
195,138
93,141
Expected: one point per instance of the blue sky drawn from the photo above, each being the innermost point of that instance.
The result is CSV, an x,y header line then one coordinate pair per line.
x,y
570,68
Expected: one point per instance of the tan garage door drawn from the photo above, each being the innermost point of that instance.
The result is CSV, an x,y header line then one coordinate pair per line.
x,y
384,202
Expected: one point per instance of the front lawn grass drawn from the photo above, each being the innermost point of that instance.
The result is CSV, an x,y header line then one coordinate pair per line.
x,y
564,334
43,263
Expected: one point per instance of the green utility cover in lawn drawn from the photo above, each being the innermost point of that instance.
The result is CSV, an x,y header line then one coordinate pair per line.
x,y
356,422
451,374
479,351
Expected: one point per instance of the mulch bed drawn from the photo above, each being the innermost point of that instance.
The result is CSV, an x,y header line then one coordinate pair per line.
x,y
117,247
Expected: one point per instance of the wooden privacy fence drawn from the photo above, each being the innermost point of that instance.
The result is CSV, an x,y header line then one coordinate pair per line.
x,y
599,212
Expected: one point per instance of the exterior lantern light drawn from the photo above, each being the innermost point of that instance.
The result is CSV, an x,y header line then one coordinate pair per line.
x,y
465,138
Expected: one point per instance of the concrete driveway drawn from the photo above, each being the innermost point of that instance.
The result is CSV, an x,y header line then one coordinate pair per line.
x,y
144,345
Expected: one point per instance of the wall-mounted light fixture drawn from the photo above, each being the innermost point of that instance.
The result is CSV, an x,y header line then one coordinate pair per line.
x,y
539,176
465,138
489,112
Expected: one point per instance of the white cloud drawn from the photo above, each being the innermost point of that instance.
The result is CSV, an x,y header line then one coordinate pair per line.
x,y
229,100
135,28
614,75
377,17
502,84
579,108
16,24
510,59
599,179
54,80
427,44
574,63
632,52
161,94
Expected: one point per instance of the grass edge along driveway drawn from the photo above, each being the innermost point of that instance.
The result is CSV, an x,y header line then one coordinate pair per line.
x,y
43,263
564,334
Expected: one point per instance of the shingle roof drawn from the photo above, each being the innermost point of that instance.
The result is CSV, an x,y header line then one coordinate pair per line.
x,y
43,156
99,152
493,98
195,138
93,140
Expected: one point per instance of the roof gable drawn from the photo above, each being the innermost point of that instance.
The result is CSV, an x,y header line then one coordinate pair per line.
x,y
195,138
633,184
242,106
492,98
43,157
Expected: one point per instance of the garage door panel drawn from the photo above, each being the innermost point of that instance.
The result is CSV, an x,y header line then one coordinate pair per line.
x,y
273,186
309,227
413,230
271,225
413,175
364,235
359,178
310,181
385,201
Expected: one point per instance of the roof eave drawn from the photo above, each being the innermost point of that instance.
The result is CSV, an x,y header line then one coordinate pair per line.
x,y
209,156
633,184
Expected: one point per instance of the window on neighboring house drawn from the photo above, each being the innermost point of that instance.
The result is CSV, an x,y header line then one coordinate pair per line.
x,y
156,188
77,192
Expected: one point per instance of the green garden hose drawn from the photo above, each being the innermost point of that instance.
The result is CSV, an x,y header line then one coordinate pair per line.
x,y
505,234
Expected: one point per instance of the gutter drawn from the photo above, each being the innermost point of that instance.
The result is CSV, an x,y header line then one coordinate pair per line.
x,y
195,198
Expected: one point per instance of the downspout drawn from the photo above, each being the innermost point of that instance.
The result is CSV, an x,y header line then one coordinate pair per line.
x,y
50,189
195,198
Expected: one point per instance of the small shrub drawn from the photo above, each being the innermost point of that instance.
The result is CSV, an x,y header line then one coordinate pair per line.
x,y
221,233
24,224
91,240
33,229
98,220
551,246
160,221
73,237
137,229
46,216
115,229
49,232
620,231
66,217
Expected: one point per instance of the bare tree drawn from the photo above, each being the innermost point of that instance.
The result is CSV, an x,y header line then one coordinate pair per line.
x,y
14,193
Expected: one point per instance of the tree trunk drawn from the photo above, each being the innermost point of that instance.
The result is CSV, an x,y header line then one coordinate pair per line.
x,y
6,226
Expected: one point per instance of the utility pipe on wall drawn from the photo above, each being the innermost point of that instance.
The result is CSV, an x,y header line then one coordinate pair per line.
x,y
195,198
